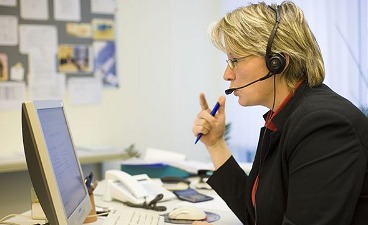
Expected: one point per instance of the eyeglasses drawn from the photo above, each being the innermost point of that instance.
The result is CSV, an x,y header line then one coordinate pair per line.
x,y
233,61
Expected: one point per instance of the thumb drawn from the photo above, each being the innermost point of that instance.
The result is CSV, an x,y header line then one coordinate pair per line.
x,y
222,101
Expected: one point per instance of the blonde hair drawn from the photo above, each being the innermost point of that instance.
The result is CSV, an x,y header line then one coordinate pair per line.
x,y
246,30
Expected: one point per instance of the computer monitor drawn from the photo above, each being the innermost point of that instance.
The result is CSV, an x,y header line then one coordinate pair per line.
x,y
52,163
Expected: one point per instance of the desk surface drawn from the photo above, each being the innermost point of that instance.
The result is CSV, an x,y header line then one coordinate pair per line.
x,y
217,205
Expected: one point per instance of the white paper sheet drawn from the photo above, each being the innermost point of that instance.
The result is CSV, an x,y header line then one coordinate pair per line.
x,y
34,9
17,72
176,159
42,62
8,2
103,6
47,88
37,36
11,95
67,10
156,155
8,31
86,90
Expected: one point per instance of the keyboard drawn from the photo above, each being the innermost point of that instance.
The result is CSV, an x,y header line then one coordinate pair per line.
x,y
133,217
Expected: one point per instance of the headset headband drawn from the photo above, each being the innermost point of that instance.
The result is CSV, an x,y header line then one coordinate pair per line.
x,y
273,33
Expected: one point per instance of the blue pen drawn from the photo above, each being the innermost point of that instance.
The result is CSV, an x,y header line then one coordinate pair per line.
x,y
88,180
213,112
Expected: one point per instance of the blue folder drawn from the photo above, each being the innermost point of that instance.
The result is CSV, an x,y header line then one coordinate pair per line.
x,y
154,170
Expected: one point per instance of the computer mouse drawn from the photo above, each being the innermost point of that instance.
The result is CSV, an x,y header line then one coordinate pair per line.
x,y
187,213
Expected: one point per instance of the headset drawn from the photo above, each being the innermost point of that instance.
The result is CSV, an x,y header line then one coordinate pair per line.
x,y
275,62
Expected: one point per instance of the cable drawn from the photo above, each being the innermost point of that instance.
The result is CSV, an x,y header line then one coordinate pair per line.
x,y
268,119
151,205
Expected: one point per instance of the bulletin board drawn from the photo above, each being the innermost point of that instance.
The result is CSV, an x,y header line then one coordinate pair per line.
x,y
44,39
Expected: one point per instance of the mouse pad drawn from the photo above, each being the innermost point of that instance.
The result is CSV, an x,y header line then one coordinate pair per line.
x,y
211,217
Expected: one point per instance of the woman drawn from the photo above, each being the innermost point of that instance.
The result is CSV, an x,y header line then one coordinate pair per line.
x,y
311,161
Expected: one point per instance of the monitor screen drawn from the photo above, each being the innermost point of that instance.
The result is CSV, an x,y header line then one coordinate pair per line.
x,y
53,164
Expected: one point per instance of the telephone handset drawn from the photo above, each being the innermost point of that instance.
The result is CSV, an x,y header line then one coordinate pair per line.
x,y
123,187
134,189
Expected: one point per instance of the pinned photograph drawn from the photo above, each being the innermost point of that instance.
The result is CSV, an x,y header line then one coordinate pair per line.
x,y
3,67
103,29
105,63
75,59
80,30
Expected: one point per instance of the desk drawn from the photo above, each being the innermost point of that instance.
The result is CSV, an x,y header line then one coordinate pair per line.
x,y
17,161
216,206
15,182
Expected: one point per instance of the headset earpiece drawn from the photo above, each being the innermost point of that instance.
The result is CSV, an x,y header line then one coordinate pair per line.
x,y
275,62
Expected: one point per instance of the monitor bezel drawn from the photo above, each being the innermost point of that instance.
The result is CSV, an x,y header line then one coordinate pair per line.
x,y
40,168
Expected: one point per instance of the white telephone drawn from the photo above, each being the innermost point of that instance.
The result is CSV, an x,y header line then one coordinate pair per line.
x,y
135,189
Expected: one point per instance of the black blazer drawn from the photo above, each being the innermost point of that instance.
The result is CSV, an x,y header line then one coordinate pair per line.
x,y
312,170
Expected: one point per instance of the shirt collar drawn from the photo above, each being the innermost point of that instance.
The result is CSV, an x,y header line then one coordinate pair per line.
x,y
270,114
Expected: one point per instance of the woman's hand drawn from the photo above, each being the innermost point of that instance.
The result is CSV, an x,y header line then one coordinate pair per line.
x,y
212,129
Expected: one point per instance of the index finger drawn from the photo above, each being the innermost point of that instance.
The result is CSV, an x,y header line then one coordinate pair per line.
x,y
203,102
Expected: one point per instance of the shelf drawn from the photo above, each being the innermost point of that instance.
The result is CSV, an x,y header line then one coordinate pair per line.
x,y
17,162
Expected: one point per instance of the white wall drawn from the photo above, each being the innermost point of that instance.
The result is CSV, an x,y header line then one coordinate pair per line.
x,y
165,59
171,61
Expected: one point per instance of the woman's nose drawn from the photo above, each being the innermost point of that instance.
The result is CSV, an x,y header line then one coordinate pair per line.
x,y
229,74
